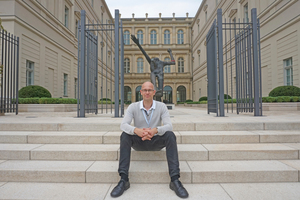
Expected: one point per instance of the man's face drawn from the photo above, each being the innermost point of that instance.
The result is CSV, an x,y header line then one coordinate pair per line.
x,y
147,91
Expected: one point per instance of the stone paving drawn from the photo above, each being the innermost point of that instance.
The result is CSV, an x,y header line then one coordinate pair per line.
x,y
221,144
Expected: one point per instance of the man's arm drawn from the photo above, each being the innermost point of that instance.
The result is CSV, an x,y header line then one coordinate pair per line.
x,y
166,120
136,41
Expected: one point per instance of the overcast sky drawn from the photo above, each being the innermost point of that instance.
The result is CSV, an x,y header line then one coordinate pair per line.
x,y
154,7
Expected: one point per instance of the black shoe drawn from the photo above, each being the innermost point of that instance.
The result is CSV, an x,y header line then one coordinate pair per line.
x,y
120,188
178,188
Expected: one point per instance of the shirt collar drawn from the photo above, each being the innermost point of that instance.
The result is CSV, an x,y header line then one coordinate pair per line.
x,y
142,106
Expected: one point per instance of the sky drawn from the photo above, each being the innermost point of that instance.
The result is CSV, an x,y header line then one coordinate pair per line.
x,y
154,7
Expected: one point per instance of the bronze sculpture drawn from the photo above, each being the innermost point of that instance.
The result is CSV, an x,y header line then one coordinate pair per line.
x,y
157,69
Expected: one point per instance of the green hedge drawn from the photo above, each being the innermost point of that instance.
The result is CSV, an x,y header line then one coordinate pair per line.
x,y
203,99
34,91
285,91
47,101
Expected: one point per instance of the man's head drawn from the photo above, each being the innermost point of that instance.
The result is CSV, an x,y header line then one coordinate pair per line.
x,y
155,60
147,91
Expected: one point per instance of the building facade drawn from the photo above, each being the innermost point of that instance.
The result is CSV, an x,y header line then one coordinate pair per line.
x,y
279,36
49,42
156,35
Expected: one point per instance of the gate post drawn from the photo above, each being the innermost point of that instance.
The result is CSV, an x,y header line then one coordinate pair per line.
x,y
122,71
220,60
116,63
82,63
255,61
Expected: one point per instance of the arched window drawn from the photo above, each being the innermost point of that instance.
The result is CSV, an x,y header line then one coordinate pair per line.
x,y
126,38
140,36
167,37
126,65
167,95
180,65
138,96
153,37
180,37
140,65
127,94
167,68
181,94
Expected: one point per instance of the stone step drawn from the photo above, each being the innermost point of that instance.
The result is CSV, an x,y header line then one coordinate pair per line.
x,y
149,171
110,125
101,191
81,152
113,137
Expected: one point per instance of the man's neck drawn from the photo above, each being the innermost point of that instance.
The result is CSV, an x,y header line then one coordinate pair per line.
x,y
147,104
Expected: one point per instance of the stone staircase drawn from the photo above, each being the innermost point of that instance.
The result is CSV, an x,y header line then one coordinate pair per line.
x,y
236,152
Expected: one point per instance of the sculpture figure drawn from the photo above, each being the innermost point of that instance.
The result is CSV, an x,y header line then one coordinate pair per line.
x,y
157,69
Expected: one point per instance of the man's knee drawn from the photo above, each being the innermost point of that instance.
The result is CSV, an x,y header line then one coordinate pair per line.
x,y
124,136
170,135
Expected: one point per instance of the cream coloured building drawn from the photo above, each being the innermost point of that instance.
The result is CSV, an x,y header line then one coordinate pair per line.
x,y
48,42
280,41
156,35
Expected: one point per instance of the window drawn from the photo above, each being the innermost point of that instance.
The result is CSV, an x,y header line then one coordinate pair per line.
x,y
140,65
180,65
246,19
127,94
138,96
126,38
205,16
167,37
92,2
140,36
180,37
167,68
66,16
76,28
288,71
65,85
29,73
153,37
75,87
167,94
126,65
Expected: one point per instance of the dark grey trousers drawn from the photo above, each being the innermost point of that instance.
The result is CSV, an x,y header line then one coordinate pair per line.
x,y
168,140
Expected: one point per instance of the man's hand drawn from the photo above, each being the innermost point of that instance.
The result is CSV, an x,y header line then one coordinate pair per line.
x,y
134,39
149,133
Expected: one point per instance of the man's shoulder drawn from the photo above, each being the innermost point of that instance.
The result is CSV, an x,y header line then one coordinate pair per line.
x,y
135,104
160,104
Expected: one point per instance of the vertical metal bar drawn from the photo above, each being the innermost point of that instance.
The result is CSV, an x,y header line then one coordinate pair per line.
x,y
2,63
122,71
106,41
255,61
250,69
78,68
82,64
96,75
17,80
244,69
216,70
4,71
236,72
88,78
226,47
116,63
259,66
102,44
11,73
220,55
230,39
111,69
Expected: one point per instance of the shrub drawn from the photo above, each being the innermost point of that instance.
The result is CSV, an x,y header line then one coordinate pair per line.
x,y
188,100
283,99
105,99
271,99
295,99
225,96
33,91
285,91
203,99
47,101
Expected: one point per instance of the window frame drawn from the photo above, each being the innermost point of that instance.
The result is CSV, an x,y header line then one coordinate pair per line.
x,y
65,84
126,37
286,68
140,65
167,37
67,17
180,37
153,37
140,36
29,73
180,65
126,65
167,68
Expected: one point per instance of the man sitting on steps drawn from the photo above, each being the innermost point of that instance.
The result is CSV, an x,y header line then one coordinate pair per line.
x,y
147,134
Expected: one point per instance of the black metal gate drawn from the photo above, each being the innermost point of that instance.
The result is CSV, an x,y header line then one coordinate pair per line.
x,y
9,72
242,65
88,64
